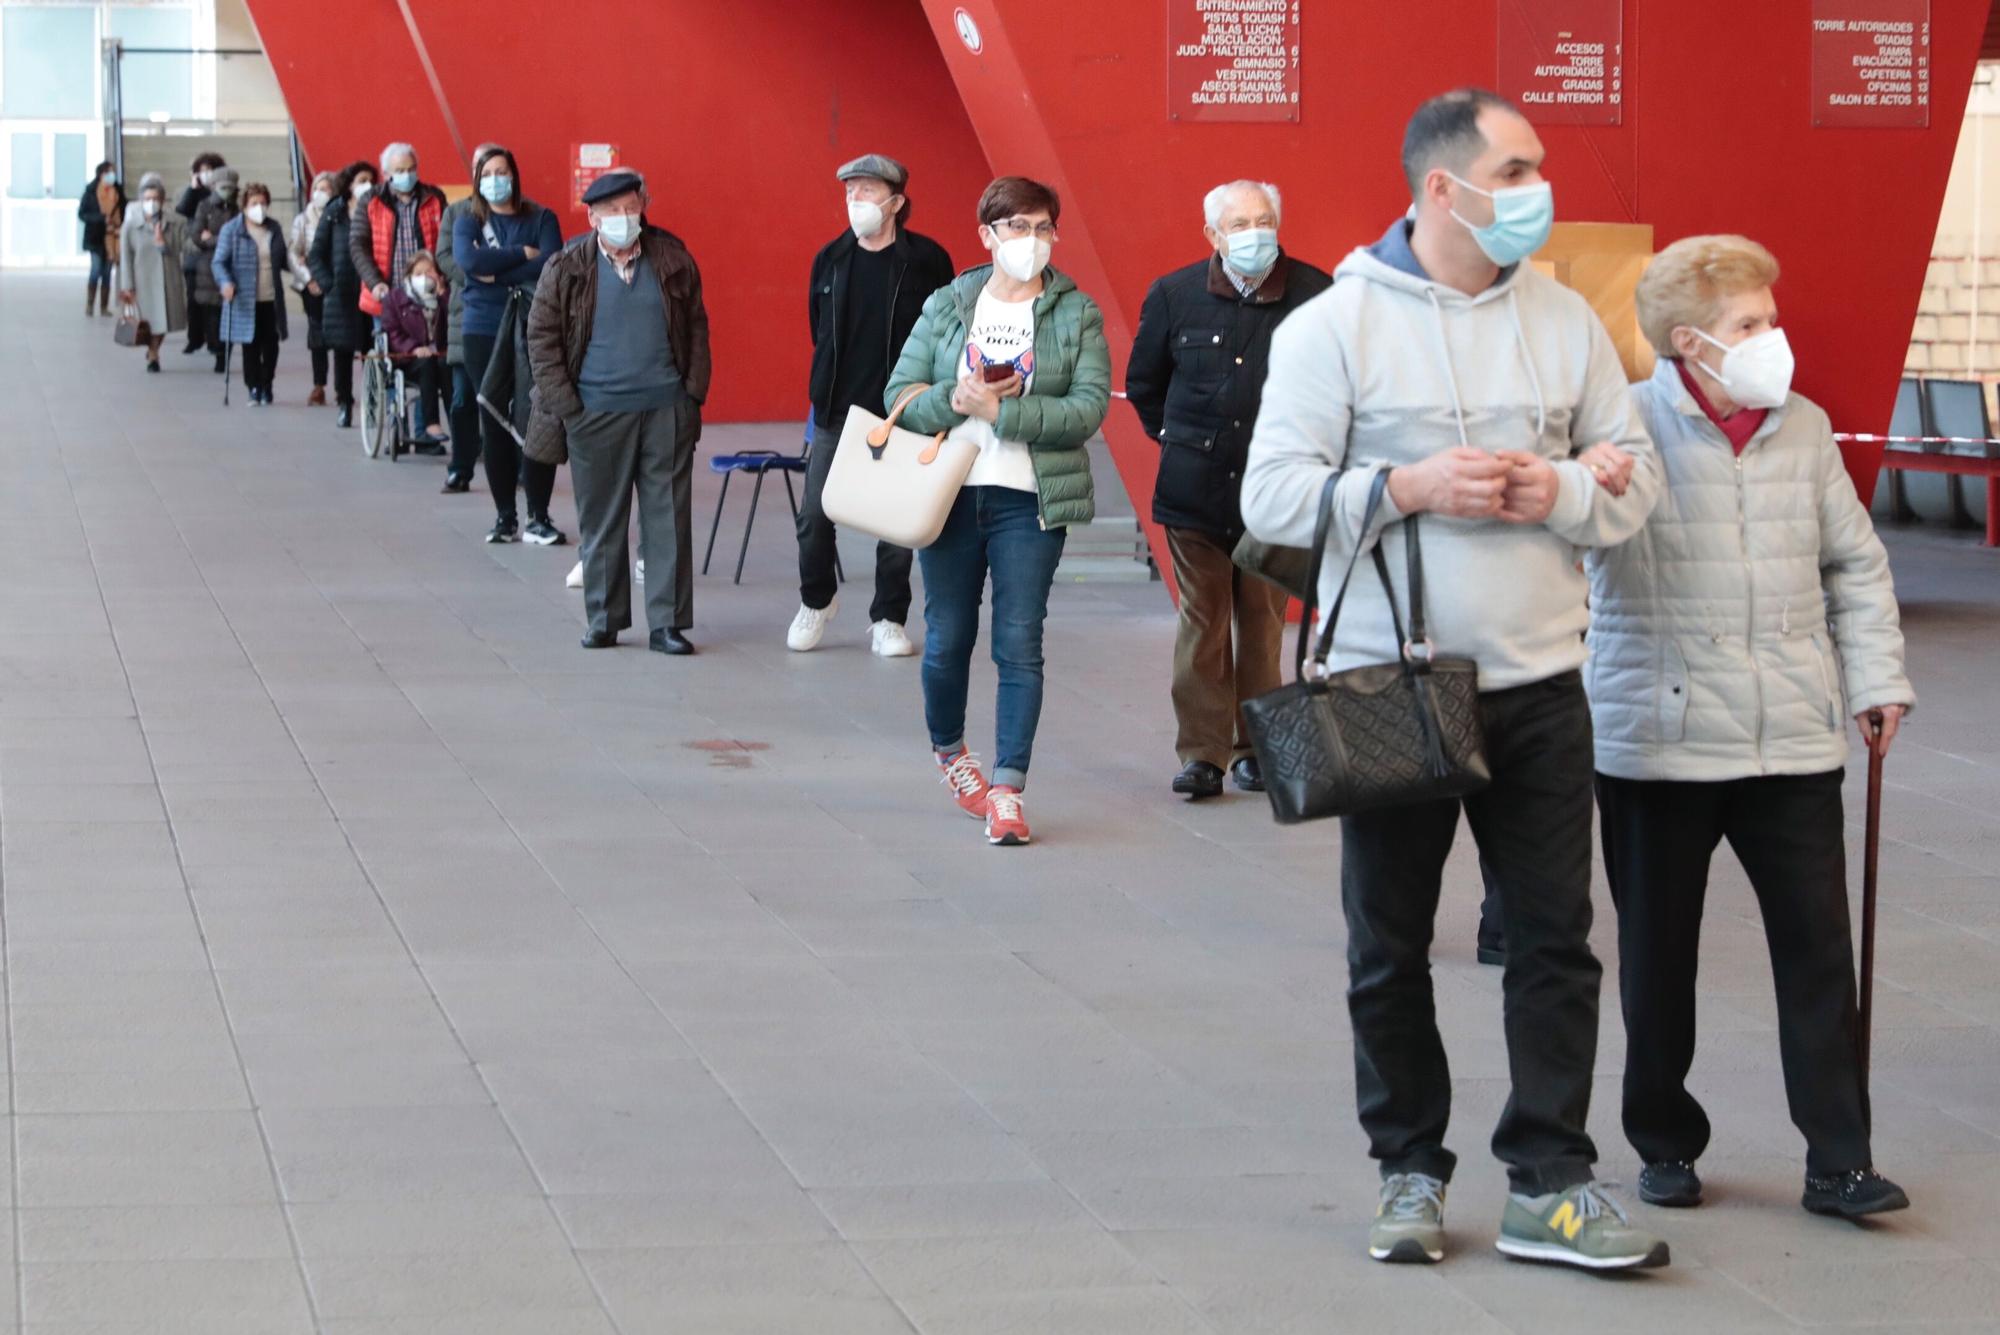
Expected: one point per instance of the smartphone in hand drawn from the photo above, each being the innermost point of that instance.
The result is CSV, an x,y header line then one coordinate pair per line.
x,y
994,372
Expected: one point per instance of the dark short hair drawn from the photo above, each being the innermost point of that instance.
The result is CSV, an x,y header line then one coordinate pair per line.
x,y
254,188
1012,195
208,160
1444,132
343,181
480,208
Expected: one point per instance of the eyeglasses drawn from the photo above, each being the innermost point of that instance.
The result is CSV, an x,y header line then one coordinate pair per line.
x,y
1018,227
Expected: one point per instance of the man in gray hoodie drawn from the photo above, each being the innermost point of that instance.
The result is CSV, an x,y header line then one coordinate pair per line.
x,y
1441,357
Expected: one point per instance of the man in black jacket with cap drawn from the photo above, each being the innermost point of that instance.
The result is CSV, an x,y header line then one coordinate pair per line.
x,y
1196,378
868,288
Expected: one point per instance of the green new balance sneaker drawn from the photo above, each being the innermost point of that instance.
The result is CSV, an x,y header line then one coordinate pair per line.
x,y
1581,1227
1409,1220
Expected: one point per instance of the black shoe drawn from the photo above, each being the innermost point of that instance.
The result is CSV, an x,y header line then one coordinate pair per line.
x,y
1852,1195
1198,779
1491,950
1672,1183
346,417
191,349
454,485
427,447
1248,775
599,639
542,533
669,642
504,530
152,368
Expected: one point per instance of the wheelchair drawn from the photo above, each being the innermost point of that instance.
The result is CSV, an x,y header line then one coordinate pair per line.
x,y
387,405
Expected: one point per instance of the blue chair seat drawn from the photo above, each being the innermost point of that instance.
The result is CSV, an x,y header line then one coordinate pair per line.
x,y
757,461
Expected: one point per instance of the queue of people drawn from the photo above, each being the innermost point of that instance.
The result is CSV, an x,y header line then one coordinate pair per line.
x,y
1687,680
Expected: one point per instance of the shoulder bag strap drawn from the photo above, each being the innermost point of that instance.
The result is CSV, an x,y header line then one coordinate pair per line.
x,y
1321,528
1324,648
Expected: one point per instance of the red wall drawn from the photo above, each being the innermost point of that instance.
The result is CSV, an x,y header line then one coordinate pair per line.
x,y
737,113
1717,136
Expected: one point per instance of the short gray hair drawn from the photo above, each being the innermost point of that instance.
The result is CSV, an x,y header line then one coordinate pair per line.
x,y
152,181
396,150
1212,202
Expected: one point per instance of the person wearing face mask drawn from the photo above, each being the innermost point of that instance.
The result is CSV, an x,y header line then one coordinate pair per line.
x,y
210,217
344,329
1443,380
201,178
1011,358
502,242
618,348
1195,376
867,288
311,295
463,405
405,215
250,265
413,319
1720,692
101,210
149,265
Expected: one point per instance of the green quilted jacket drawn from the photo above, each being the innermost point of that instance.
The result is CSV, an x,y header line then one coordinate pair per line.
x,y
1064,405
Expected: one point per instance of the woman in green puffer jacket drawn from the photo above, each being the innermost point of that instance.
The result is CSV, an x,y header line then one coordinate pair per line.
x,y
1016,363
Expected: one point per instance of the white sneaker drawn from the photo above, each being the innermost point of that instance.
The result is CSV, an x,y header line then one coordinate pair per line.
x,y
809,627
890,640
575,580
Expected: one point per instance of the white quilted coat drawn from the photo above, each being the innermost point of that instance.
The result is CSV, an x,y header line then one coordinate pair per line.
x,y
1753,616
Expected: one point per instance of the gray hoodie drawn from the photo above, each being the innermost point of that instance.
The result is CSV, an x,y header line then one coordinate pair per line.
x,y
1388,367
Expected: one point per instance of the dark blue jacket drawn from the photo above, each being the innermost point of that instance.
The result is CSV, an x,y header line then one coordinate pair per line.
x,y
505,264
236,262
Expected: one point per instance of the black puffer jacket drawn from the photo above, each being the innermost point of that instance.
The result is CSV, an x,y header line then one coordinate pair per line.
x,y
1196,378
342,326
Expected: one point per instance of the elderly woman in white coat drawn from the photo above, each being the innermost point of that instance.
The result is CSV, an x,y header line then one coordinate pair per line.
x,y
1730,642
150,278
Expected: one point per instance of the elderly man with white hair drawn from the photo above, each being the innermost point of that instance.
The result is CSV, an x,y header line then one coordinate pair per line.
x,y
1196,377
401,217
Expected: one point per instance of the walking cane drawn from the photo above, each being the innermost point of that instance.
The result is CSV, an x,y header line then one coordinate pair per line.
x,y
1871,849
228,353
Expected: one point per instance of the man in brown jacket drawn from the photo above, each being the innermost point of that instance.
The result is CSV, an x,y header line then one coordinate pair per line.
x,y
618,342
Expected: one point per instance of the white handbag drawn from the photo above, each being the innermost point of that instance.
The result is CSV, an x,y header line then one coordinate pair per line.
x,y
892,483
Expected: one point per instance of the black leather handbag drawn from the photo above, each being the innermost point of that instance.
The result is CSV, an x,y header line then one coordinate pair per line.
x,y
1383,735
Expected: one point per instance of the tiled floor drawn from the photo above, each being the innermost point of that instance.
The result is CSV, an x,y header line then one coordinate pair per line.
x,y
379,961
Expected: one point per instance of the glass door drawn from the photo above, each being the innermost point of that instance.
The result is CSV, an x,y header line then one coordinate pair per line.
x,y
43,169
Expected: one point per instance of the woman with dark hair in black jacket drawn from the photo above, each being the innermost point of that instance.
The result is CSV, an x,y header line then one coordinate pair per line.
x,y
201,175
344,330
102,213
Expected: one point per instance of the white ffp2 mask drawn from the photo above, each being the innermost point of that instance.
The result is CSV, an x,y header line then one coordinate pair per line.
x,y
1757,372
1022,258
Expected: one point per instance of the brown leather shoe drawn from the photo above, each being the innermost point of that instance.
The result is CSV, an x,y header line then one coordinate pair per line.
x,y
316,399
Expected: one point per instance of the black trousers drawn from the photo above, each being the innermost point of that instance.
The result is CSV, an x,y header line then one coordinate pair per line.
x,y
1532,825
506,466
209,320
1787,832
260,354
464,423
343,376
818,577
315,308
427,374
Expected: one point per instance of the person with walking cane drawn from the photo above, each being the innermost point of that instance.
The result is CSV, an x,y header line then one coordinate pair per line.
x,y
1729,642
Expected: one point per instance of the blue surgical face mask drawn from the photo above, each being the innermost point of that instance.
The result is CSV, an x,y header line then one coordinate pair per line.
x,y
404,182
496,189
620,229
1253,250
1522,218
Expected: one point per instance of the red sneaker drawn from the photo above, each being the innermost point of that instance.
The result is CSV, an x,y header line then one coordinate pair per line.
x,y
1006,825
959,772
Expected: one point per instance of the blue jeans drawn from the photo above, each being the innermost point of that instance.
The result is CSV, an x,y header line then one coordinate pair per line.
x,y
997,529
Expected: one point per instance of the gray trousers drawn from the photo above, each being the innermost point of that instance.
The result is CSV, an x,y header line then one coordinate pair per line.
x,y
611,455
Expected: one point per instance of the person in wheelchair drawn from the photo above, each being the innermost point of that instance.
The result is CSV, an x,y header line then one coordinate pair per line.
x,y
413,321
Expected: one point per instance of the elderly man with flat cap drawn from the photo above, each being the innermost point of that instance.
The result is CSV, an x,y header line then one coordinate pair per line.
x,y
618,342
868,287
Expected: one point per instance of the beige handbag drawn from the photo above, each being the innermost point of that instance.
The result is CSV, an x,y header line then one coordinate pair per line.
x,y
892,483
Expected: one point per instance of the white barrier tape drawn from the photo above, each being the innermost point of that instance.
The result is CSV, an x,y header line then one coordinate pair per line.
x,y
1863,439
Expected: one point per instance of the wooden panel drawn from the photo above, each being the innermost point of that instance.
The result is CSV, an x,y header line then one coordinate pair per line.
x,y
1604,261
